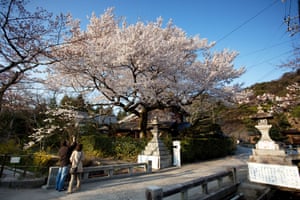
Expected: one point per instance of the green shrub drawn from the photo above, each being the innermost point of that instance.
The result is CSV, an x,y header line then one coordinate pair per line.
x,y
41,158
9,147
296,111
127,148
97,145
124,148
196,149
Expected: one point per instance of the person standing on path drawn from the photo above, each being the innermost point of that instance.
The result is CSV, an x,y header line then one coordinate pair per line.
x,y
64,154
76,162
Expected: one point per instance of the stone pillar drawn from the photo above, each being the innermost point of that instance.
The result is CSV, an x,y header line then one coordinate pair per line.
x,y
176,154
154,193
51,178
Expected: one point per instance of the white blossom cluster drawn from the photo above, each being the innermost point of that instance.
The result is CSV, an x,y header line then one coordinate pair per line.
x,y
59,120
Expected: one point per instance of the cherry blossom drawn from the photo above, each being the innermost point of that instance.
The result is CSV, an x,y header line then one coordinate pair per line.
x,y
143,66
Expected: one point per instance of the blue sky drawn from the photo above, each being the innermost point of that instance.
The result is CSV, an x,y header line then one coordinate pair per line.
x,y
254,28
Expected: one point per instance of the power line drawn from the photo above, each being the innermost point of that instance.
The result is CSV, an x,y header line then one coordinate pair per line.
x,y
267,60
247,21
266,48
266,74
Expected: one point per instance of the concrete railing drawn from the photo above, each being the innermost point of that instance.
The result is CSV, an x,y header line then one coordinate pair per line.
x,y
97,173
219,190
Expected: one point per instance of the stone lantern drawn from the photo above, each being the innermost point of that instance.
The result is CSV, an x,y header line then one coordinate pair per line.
x,y
156,151
269,164
265,141
266,150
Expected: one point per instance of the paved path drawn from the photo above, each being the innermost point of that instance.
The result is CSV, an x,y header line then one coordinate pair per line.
x,y
131,188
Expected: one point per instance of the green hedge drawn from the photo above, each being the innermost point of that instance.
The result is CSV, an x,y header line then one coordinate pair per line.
x,y
127,148
123,148
97,145
196,149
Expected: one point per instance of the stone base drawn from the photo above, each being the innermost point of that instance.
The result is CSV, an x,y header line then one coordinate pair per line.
x,y
268,152
265,144
270,156
158,153
271,160
145,158
158,162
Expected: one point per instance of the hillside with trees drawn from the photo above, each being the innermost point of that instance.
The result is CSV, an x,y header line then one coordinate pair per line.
x,y
280,97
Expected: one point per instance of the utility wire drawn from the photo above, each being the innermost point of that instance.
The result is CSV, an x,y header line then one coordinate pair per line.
x,y
265,75
270,59
247,21
266,48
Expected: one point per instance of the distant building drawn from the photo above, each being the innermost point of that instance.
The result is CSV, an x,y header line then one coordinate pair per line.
x,y
84,117
293,136
105,119
168,120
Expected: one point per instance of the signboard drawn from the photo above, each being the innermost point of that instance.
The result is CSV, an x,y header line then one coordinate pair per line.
x,y
15,159
279,175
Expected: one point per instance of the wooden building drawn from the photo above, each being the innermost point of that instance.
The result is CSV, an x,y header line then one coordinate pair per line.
x,y
293,136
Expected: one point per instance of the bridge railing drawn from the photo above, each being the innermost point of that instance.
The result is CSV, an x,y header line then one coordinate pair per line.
x,y
209,191
97,173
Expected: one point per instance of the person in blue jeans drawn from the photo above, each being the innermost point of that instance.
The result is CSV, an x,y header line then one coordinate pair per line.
x,y
64,154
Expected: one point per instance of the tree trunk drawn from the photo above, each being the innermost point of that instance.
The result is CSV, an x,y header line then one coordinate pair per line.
x,y
143,123
1,100
10,129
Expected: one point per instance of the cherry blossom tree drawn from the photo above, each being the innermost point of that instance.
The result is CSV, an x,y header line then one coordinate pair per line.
x,y
294,62
142,66
26,41
61,121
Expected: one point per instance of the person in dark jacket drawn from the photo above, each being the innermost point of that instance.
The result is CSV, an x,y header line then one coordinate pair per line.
x,y
64,154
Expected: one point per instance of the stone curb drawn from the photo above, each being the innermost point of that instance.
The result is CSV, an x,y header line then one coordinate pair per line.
x,y
29,183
